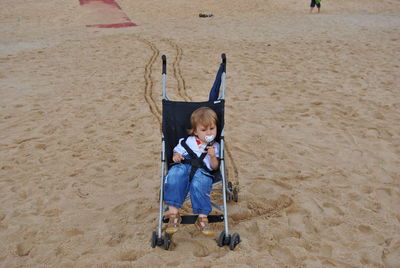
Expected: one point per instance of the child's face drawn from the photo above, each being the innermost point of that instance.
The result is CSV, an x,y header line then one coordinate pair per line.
x,y
202,131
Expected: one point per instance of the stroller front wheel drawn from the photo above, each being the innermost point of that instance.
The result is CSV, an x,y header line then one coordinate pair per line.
x,y
234,241
223,239
167,241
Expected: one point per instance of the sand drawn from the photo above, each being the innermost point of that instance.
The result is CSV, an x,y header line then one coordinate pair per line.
x,y
312,131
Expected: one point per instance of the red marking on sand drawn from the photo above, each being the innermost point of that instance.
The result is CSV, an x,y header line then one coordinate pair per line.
x,y
111,8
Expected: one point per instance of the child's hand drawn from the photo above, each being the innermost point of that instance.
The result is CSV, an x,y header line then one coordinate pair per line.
x,y
177,157
213,159
211,151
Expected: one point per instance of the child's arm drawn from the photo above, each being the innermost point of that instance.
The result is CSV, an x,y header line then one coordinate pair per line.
x,y
179,151
214,161
177,157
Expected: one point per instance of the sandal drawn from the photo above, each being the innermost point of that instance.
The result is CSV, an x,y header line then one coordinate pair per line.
x,y
203,226
173,223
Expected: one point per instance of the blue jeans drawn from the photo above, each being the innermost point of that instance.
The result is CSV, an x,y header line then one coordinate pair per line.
x,y
177,186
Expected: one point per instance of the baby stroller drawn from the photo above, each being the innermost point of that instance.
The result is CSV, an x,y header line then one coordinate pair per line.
x,y
175,122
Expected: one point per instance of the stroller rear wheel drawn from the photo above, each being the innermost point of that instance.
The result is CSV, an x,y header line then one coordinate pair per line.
x,y
232,192
235,194
154,239
229,191
167,241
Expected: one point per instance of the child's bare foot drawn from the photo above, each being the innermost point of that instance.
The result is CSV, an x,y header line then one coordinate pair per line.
x,y
204,227
173,223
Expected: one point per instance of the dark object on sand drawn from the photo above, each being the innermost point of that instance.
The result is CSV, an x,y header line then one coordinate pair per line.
x,y
202,15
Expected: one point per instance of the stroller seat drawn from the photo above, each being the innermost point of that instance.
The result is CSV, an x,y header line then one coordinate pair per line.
x,y
175,122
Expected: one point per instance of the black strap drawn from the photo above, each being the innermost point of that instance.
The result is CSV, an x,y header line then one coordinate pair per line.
x,y
195,161
190,151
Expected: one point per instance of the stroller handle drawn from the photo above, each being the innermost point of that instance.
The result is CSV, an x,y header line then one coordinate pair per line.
x,y
164,64
223,56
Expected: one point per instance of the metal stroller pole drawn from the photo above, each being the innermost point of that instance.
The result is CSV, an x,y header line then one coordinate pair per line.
x,y
164,96
225,238
160,218
223,56
224,185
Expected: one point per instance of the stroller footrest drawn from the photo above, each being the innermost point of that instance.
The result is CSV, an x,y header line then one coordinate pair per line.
x,y
191,219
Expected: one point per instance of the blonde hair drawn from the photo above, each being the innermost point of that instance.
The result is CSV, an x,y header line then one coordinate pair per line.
x,y
204,116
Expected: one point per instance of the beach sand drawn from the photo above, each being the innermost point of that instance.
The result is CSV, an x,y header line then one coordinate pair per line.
x,y
312,131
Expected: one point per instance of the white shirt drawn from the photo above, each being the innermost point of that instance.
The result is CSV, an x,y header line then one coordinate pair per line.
x,y
198,149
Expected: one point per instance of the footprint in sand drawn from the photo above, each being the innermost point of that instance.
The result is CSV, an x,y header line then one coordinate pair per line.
x,y
116,238
365,229
73,232
2,216
332,209
255,207
23,249
78,191
283,254
391,255
325,251
199,246
300,220
201,250
130,255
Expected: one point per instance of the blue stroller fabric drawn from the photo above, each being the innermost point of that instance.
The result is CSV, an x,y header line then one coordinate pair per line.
x,y
214,92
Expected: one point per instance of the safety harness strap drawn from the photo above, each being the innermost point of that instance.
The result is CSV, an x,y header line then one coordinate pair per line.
x,y
195,161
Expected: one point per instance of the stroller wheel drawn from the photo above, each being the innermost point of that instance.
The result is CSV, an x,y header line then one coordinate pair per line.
x,y
234,241
167,241
235,194
154,239
229,192
223,239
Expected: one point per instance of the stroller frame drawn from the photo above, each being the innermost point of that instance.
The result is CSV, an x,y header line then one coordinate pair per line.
x,y
228,191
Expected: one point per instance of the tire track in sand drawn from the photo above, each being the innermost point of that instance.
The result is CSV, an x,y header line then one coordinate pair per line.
x,y
155,110
149,83
178,73
232,168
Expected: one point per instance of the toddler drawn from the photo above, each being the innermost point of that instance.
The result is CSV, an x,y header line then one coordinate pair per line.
x,y
195,158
